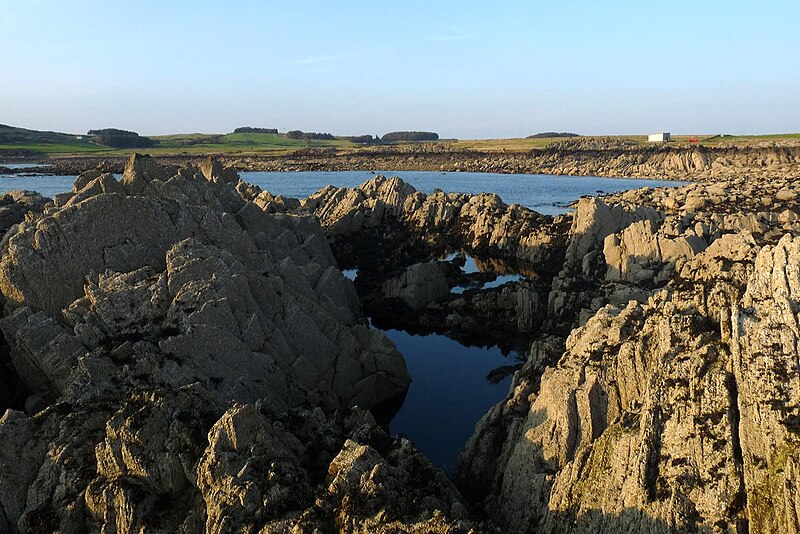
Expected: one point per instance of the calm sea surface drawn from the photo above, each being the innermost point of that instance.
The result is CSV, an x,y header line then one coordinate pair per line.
x,y
543,193
450,390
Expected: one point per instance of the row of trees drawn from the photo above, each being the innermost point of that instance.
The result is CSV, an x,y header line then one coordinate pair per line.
x,y
249,129
361,139
297,134
114,138
548,135
410,136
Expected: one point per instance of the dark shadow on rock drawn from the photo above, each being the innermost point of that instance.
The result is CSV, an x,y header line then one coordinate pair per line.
x,y
13,390
630,520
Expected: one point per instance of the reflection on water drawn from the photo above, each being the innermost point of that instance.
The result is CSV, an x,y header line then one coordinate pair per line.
x,y
449,392
503,269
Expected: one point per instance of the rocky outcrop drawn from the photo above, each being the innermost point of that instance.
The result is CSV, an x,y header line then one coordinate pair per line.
x,y
183,266
201,363
192,362
177,461
579,281
764,343
610,157
626,245
670,406
637,425
386,219
385,225
14,205
640,253
507,315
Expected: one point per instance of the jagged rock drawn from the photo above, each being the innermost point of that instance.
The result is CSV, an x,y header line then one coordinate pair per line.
x,y
584,266
650,420
387,213
196,362
581,156
767,377
275,203
639,254
14,206
168,460
192,281
595,220
135,312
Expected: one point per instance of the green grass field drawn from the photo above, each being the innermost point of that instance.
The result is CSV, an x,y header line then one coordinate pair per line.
x,y
240,143
15,140
53,148
36,143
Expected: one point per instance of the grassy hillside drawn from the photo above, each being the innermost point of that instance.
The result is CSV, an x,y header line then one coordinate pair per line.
x,y
32,143
238,143
526,144
21,140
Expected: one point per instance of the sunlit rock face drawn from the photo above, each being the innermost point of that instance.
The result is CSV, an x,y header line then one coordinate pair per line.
x,y
390,216
670,405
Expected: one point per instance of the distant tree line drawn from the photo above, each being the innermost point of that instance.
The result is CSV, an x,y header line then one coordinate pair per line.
x,y
114,138
410,136
297,134
545,135
359,139
249,129
362,139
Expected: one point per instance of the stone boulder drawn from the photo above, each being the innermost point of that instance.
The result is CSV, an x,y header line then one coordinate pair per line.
x,y
136,313
389,215
192,281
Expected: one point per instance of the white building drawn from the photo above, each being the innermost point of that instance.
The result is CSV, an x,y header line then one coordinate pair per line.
x,y
658,137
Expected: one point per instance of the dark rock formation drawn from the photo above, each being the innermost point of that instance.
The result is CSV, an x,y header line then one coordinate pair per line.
x,y
385,222
192,361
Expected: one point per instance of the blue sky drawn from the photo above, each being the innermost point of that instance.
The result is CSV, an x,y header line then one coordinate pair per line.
x,y
463,69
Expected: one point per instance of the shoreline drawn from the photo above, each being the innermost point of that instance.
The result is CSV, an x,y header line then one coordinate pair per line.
x,y
697,163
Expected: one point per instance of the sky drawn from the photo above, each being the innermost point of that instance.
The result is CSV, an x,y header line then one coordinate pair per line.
x,y
460,68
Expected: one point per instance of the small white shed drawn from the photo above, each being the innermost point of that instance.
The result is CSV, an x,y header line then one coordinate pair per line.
x,y
658,137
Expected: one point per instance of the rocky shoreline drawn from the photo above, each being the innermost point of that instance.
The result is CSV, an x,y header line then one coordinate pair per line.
x,y
181,351
578,157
